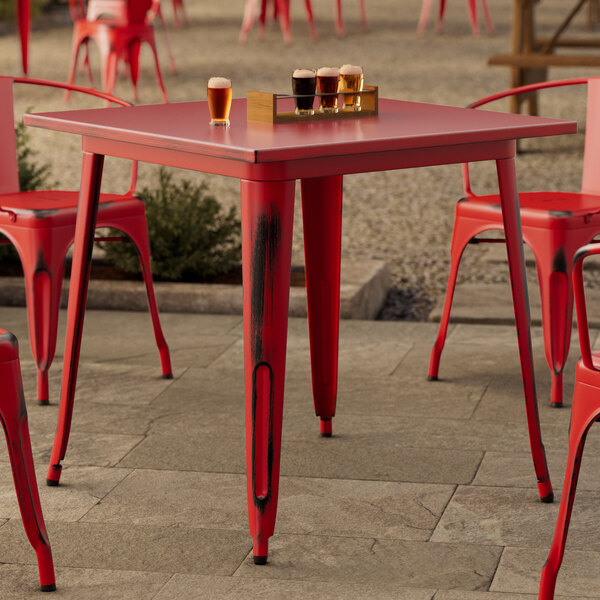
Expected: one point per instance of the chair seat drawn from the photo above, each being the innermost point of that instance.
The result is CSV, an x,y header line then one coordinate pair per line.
x,y
538,209
59,209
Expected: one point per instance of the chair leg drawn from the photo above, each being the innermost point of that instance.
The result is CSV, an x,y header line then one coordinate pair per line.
x,y
137,231
43,269
439,27
311,20
461,235
283,11
133,53
322,217
585,398
159,78
248,19
363,15
554,279
163,27
424,17
13,415
488,18
267,222
473,17
339,25
75,45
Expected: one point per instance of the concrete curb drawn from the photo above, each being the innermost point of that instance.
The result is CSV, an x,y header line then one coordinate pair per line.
x,y
364,287
491,304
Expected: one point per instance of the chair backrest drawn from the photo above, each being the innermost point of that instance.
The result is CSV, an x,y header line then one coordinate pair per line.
x,y
9,172
590,180
115,10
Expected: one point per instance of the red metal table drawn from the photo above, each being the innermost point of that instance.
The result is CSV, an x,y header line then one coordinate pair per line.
x,y
268,159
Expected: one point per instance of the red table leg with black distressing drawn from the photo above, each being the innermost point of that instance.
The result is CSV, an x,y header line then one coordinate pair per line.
x,y
267,223
322,218
507,183
91,178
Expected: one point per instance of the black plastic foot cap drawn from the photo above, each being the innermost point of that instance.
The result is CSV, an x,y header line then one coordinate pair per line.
x,y
44,402
168,376
327,434
260,560
556,404
51,482
51,587
432,378
549,499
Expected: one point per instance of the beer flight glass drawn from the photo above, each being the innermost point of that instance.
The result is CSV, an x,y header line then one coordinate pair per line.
x,y
304,82
219,100
351,80
328,84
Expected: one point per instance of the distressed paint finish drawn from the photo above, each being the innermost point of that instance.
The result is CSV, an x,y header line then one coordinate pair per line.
x,y
322,220
267,221
585,411
268,160
91,178
509,199
13,416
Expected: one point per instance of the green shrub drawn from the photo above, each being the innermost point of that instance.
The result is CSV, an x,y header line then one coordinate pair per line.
x,y
192,238
31,175
8,8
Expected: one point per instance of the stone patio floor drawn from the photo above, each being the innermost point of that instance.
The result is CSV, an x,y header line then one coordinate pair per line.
x,y
425,491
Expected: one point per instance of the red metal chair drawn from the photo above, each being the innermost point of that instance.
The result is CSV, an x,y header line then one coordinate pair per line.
x,y
13,415
41,226
585,411
118,37
179,8
281,9
472,4
555,225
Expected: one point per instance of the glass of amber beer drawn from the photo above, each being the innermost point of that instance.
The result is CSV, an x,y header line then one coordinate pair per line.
x,y
351,80
327,83
303,85
219,100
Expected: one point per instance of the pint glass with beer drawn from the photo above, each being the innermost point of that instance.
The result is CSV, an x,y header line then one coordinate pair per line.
x,y
327,84
219,100
351,80
303,87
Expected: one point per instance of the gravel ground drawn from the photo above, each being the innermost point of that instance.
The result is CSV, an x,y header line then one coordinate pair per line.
x,y
403,217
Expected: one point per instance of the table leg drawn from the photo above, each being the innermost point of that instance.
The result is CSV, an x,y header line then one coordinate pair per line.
x,y
267,222
322,218
516,264
91,178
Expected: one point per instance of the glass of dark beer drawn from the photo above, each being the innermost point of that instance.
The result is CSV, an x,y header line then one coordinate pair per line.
x,y
303,86
219,100
351,80
327,83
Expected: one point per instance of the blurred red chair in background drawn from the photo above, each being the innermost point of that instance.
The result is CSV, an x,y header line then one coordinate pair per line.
x,y
13,414
118,27
554,224
281,9
41,226
585,411
426,8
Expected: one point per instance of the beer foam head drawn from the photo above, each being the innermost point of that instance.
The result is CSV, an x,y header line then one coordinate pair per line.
x,y
219,82
328,72
302,73
350,70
